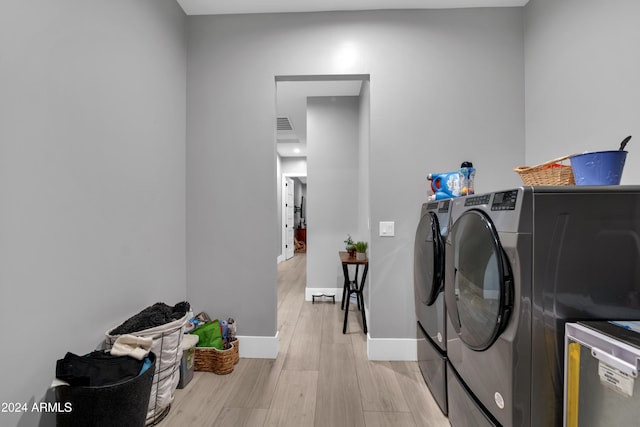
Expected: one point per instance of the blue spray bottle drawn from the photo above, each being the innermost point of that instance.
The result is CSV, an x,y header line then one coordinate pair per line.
x,y
467,175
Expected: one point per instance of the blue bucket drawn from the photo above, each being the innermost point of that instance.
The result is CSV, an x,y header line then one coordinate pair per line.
x,y
598,168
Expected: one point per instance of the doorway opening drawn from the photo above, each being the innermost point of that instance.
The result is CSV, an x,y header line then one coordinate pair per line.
x,y
294,221
322,140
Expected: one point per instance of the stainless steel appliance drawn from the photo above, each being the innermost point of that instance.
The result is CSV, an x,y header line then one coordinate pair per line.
x,y
601,374
520,264
429,299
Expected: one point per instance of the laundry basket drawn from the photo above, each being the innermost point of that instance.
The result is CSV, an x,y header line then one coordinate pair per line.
x,y
553,172
167,345
121,404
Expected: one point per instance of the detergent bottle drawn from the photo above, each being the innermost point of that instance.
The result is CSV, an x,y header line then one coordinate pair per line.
x,y
467,174
445,185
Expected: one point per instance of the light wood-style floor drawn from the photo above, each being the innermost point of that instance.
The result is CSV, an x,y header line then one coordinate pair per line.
x,y
320,377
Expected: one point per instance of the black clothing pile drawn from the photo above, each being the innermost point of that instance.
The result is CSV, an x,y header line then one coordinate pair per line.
x,y
97,368
156,315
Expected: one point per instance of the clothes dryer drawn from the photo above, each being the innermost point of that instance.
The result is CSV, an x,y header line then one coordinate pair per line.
x,y
429,298
520,264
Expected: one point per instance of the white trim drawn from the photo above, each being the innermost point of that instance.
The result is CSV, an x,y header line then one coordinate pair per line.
x,y
259,347
208,7
280,258
404,349
309,292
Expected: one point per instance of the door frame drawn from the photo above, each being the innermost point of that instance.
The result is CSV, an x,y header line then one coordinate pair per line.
x,y
283,201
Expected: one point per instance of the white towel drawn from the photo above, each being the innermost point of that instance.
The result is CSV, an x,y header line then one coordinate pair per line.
x,y
131,345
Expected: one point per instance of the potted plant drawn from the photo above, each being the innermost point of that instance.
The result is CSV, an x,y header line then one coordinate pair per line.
x,y
349,246
361,249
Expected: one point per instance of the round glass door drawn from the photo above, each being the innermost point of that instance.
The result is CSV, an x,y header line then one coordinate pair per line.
x,y
428,259
479,297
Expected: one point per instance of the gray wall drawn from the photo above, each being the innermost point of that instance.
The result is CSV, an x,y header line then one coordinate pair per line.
x,y
445,86
582,68
230,128
92,178
294,165
332,147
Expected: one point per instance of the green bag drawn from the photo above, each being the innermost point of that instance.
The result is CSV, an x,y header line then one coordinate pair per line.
x,y
210,335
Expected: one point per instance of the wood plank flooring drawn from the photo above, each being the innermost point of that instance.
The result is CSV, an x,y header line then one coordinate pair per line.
x,y
320,378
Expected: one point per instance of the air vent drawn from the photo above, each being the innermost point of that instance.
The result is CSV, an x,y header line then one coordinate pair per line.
x,y
283,123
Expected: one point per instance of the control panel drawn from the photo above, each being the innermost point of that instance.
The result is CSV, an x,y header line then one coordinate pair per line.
x,y
444,206
432,206
477,200
504,201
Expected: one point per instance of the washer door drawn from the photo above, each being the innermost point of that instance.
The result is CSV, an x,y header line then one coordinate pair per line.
x,y
428,261
479,283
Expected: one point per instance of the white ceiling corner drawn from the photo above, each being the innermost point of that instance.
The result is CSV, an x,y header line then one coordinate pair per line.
x,y
220,7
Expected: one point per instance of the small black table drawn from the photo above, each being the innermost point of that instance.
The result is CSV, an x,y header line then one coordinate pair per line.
x,y
353,287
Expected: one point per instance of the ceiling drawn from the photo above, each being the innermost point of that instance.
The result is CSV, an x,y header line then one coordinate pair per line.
x,y
220,7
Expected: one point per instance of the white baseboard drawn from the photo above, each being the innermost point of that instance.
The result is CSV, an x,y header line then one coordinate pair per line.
x,y
404,349
385,349
309,292
280,258
259,347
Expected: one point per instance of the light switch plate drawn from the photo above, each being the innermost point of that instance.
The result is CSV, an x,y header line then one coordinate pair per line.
x,y
387,228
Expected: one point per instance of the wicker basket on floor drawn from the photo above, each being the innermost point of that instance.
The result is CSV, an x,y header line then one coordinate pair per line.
x,y
210,359
236,351
548,173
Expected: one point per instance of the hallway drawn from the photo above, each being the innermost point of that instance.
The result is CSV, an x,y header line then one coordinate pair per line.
x,y
320,377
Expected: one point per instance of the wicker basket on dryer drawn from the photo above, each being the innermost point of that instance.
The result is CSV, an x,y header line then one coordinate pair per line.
x,y
552,172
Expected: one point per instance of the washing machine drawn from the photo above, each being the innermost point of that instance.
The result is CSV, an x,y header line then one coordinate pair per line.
x,y
520,264
428,275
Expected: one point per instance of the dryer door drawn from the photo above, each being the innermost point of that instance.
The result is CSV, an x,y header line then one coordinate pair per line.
x,y
428,262
479,283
